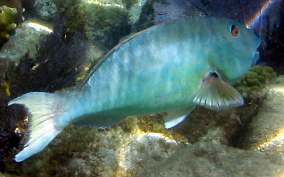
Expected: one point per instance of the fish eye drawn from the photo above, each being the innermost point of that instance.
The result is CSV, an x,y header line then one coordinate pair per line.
x,y
235,31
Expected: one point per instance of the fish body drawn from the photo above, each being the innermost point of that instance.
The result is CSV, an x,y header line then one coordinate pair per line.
x,y
171,67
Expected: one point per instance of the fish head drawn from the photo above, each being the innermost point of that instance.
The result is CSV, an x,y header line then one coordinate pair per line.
x,y
233,49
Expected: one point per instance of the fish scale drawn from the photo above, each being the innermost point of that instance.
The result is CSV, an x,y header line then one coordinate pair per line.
x,y
171,67
132,73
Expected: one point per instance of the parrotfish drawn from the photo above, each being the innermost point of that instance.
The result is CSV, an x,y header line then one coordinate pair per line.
x,y
168,68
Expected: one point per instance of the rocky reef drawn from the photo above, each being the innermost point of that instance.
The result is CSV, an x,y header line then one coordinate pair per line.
x,y
7,23
209,159
123,150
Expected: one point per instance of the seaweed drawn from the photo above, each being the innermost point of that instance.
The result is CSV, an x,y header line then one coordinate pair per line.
x,y
58,62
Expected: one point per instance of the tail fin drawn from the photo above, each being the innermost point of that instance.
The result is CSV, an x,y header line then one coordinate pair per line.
x,y
43,109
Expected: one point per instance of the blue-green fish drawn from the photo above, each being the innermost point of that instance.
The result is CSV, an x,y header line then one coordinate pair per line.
x,y
171,67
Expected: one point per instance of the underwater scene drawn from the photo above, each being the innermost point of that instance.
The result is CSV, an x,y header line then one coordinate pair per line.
x,y
142,88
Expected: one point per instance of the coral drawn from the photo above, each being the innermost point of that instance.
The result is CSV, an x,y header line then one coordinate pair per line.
x,y
7,25
250,86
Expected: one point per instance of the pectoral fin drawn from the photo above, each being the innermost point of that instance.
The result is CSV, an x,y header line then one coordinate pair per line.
x,y
175,117
215,94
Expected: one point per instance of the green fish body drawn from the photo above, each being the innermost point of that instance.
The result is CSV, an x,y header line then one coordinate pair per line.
x,y
171,67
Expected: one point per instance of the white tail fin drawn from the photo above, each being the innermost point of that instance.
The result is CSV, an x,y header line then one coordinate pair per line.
x,y
43,108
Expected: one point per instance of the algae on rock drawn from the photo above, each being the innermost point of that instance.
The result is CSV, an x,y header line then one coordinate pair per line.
x,y
126,149
255,80
214,160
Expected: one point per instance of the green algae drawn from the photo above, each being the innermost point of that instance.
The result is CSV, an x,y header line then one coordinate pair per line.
x,y
253,82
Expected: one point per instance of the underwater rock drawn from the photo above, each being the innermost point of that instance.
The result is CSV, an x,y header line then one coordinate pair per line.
x,y
207,159
169,10
106,22
45,9
7,23
103,27
218,127
24,42
127,149
266,131
103,22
